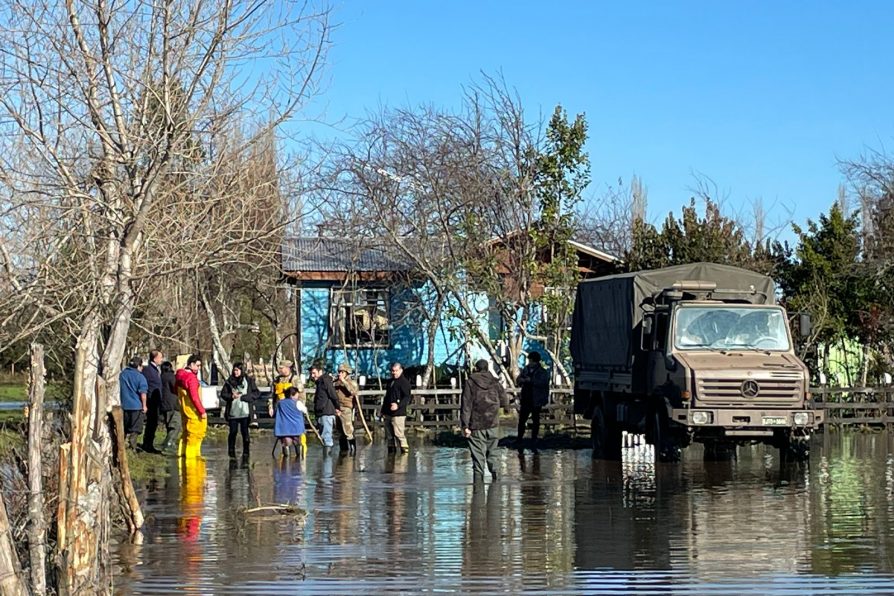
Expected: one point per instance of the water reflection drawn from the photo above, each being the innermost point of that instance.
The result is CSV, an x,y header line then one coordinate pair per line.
x,y
557,522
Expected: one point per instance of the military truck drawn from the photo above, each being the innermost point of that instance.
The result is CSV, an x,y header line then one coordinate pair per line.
x,y
693,353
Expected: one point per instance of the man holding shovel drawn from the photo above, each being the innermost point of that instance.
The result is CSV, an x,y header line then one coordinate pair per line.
x,y
346,390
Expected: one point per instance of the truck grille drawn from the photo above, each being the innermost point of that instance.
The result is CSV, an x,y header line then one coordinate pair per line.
x,y
769,391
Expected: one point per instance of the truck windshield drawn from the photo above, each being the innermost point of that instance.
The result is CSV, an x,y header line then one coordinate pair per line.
x,y
730,328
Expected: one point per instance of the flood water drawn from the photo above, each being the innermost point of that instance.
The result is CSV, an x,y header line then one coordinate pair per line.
x,y
557,522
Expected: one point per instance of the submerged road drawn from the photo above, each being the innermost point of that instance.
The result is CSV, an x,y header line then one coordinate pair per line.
x,y
557,522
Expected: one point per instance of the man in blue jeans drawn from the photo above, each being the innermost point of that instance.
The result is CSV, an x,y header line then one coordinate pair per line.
x,y
326,406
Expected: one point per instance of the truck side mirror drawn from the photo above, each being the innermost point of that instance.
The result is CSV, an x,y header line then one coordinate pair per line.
x,y
645,340
805,325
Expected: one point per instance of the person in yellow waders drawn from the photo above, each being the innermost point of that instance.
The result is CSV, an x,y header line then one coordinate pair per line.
x,y
195,420
283,381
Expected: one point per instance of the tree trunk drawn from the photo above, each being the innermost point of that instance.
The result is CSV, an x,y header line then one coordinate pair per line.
x,y
83,513
433,323
133,512
11,583
864,369
113,356
221,354
37,528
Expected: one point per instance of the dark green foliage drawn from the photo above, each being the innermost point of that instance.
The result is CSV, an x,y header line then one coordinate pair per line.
x,y
712,238
824,277
562,172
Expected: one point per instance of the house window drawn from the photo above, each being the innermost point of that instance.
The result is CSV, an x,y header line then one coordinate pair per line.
x,y
359,317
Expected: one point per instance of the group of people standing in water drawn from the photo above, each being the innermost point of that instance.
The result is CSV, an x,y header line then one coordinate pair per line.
x,y
336,407
154,393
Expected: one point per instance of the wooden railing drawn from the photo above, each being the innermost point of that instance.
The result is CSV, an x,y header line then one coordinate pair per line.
x,y
439,408
871,406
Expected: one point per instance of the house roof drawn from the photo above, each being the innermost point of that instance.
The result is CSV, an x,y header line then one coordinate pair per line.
x,y
306,254
594,252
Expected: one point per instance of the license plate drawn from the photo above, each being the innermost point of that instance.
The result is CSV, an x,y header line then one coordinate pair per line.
x,y
775,421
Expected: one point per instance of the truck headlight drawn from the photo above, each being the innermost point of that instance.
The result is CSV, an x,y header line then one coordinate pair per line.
x,y
801,418
700,417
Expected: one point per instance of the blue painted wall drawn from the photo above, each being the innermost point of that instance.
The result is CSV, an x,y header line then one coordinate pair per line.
x,y
408,341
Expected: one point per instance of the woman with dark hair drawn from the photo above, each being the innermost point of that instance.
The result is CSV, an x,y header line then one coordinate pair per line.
x,y
170,406
238,394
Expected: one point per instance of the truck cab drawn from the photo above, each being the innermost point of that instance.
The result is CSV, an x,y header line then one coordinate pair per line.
x,y
727,369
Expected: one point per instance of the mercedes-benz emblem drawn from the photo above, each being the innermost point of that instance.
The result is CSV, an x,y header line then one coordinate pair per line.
x,y
750,388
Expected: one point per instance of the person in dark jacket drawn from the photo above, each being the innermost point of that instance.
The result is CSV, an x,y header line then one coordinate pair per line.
x,y
238,393
326,406
394,409
169,411
482,398
534,384
152,373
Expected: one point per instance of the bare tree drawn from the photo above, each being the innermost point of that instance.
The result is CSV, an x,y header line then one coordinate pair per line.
x,y
111,114
606,220
456,196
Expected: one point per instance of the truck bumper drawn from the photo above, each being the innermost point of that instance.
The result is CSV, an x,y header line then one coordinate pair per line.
x,y
742,423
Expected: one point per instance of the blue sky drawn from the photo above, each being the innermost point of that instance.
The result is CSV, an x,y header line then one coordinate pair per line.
x,y
764,98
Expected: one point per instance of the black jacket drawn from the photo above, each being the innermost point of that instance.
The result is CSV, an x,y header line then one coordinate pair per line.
x,y
169,400
534,384
325,399
153,379
397,392
483,396
226,392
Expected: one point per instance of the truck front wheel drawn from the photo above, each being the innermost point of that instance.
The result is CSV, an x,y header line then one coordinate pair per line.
x,y
666,448
605,435
794,448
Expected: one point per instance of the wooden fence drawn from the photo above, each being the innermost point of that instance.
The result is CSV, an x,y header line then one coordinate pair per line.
x,y
438,409
870,406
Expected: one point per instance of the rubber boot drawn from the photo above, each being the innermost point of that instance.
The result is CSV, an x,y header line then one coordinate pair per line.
x,y
352,446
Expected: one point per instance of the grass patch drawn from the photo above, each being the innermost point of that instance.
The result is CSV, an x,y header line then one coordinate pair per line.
x,y
13,392
11,417
147,466
12,436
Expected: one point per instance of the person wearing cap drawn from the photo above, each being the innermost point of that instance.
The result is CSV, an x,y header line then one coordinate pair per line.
x,y
482,398
346,389
534,384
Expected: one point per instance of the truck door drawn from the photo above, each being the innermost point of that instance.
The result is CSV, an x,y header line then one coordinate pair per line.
x,y
657,369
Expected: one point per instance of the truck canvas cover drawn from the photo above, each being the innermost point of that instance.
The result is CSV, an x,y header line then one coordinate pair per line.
x,y
607,311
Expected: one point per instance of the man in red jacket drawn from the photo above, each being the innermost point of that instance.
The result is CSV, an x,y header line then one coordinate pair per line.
x,y
195,421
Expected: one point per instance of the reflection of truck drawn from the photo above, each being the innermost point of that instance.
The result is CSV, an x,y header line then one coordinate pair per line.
x,y
696,352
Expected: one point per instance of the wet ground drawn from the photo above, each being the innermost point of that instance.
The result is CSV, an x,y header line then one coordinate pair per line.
x,y
557,522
